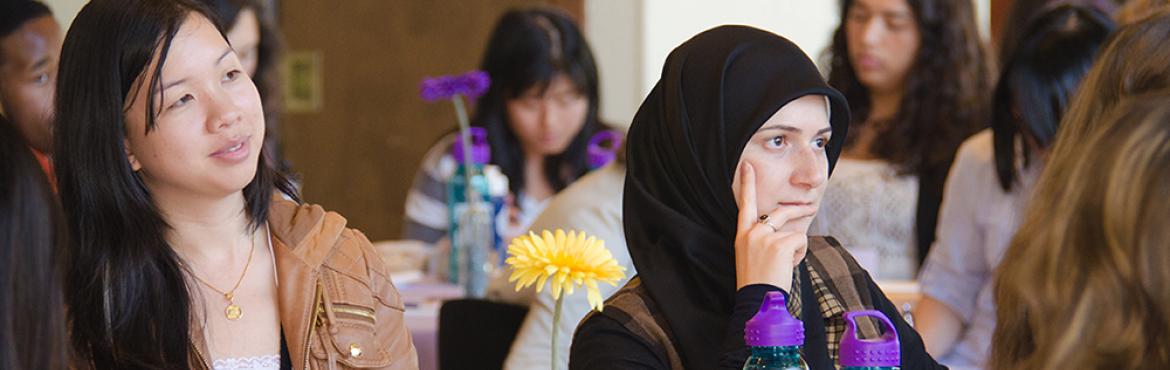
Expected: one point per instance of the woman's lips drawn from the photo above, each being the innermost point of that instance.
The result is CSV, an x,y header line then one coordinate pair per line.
x,y
868,62
234,151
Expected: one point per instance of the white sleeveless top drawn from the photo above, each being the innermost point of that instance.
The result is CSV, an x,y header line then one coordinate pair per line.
x,y
871,210
270,362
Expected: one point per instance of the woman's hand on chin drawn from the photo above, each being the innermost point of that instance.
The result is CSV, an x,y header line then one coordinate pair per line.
x,y
763,253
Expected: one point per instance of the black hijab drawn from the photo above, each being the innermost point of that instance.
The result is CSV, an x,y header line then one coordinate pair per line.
x,y
683,147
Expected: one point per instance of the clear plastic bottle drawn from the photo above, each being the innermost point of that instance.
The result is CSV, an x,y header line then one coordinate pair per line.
x,y
774,337
472,213
882,353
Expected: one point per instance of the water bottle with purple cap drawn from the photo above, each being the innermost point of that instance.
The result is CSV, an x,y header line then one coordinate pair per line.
x,y
775,337
474,199
882,353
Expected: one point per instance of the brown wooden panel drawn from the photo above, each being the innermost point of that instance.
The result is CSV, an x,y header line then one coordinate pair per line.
x,y
575,8
1000,11
359,153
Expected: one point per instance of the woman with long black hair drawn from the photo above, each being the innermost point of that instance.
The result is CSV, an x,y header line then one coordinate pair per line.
x,y
181,255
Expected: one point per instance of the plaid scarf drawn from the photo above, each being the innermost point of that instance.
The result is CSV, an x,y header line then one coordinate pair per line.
x,y
845,290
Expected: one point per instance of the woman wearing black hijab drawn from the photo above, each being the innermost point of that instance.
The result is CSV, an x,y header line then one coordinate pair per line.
x,y
737,109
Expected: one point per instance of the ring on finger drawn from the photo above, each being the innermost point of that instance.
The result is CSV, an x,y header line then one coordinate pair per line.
x,y
764,220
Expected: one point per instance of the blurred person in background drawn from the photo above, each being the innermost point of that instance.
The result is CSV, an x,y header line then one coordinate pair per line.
x,y
32,238
30,46
1135,10
917,80
539,113
258,43
993,176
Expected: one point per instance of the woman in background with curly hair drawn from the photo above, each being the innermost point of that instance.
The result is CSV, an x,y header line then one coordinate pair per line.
x,y
917,80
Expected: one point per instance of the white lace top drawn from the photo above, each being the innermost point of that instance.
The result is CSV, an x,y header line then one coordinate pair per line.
x,y
248,363
871,210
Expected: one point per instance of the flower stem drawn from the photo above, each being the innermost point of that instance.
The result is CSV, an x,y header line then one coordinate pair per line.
x,y
458,245
465,134
555,325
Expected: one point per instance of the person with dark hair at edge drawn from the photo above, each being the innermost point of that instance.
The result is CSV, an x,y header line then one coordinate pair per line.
x,y
30,46
1083,283
32,236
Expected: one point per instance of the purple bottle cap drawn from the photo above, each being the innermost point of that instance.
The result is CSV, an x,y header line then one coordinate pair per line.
x,y
481,152
603,147
881,352
773,326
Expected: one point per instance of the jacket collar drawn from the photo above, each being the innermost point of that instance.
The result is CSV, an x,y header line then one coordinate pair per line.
x,y
302,238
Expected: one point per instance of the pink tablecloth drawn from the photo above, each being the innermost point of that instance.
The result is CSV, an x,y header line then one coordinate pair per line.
x,y
423,299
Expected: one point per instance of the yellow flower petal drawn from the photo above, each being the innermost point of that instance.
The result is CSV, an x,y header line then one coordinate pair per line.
x,y
594,295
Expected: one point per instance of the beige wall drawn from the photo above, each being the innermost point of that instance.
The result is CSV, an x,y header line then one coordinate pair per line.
x,y
65,10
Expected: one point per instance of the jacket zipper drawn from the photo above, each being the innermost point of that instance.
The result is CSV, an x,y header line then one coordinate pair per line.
x,y
314,321
199,355
360,312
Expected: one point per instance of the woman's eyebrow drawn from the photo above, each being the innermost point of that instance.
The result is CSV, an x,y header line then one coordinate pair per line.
x,y
224,55
793,129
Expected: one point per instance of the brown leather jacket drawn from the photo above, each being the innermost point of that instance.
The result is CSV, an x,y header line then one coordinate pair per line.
x,y
338,307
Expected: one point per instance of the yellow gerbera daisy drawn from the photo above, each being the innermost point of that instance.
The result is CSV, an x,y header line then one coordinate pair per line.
x,y
568,260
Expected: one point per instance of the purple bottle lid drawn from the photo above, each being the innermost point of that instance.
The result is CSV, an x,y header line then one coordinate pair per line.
x,y
603,148
880,352
481,152
773,326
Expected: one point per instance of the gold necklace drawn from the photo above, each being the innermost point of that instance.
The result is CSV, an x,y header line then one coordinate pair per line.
x,y
233,311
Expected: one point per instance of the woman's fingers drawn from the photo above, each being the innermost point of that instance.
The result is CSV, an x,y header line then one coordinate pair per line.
x,y
767,257
748,215
785,243
783,214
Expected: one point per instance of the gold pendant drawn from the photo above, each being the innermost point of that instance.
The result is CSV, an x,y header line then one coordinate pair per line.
x,y
233,312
